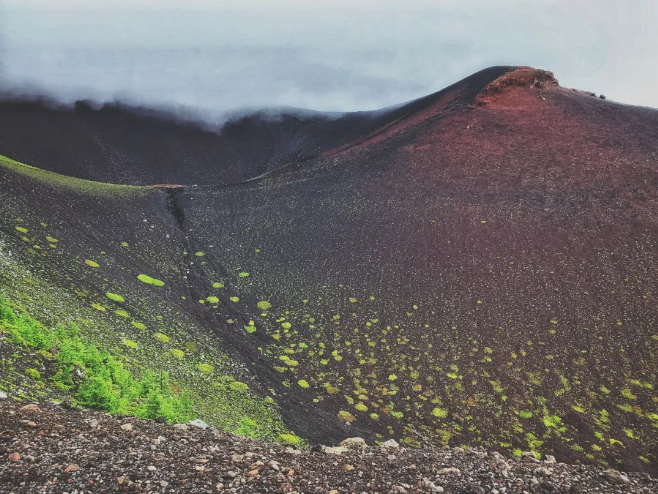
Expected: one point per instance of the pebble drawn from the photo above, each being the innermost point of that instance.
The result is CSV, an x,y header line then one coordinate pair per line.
x,y
14,457
449,471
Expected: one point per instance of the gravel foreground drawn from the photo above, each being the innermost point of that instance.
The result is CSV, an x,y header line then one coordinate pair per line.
x,y
52,449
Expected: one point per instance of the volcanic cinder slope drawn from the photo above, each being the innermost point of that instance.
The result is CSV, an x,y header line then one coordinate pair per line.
x,y
474,267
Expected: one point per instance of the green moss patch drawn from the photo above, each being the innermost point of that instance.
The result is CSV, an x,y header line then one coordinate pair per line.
x,y
150,281
91,263
205,368
114,297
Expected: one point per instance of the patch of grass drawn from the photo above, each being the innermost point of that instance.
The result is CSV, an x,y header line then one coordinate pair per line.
x,y
131,344
291,439
115,297
205,368
264,305
33,373
104,382
139,325
239,386
150,281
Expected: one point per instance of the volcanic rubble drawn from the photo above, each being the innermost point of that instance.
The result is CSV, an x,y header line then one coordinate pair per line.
x,y
53,449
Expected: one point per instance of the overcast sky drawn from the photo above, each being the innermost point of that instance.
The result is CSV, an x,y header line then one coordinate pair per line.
x,y
332,55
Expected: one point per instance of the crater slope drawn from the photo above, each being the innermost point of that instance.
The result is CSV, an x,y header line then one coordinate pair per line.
x,y
475,267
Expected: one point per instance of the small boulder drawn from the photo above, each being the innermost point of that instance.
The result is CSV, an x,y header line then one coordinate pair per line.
x,y
529,456
31,408
72,468
2,395
127,427
354,443
390,444
14,457
430,486
199,423
616,477
338,450
449,471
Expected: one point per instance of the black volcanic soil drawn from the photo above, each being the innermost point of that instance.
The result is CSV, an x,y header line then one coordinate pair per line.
x,y
477,267
44,448
123,145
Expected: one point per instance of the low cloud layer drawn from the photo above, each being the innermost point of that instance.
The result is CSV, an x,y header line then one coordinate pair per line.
x,y
330,56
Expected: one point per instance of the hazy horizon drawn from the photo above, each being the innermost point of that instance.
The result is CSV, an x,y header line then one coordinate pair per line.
x,y
338,56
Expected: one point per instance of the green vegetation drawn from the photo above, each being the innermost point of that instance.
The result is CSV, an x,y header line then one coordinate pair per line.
x,y
85,186
33,373
104,382
115,297
346,416
92,264
162,338
291,439
150,281
205,368
139,325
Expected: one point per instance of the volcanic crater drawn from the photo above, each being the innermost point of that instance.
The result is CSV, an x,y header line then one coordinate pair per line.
x,y
474,267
